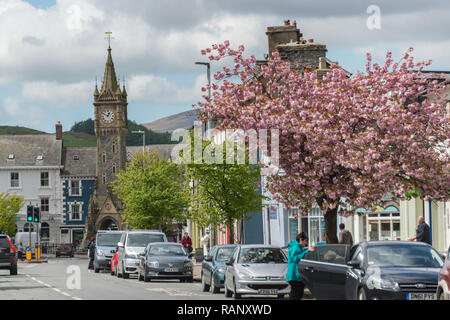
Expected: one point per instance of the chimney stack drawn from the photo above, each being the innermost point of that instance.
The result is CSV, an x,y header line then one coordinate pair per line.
x,y
58,130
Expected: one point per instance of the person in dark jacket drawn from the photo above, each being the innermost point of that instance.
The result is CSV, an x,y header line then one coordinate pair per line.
x,y
422,232
295,254
91,247
345,236
186,241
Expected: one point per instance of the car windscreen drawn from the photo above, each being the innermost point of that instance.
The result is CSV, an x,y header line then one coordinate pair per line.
x,y
108,239
143,239
261,255
4,242
224,254
166,250
403,256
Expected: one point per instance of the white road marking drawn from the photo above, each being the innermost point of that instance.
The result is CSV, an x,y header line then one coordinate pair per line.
x,y
55,289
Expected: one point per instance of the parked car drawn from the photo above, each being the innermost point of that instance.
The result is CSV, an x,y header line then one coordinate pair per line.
x,y
256,270
105,246
214,267
8,255
443,292
372,270
113,264
165,260
64,250
131,245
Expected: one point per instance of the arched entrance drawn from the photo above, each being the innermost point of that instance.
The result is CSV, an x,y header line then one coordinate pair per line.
x,y
108,224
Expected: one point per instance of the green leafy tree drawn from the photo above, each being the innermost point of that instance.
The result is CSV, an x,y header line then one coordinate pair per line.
x,y
223,191
153,191
9,206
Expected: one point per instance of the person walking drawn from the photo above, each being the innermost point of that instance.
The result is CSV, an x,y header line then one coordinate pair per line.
x,y
186,241
20,250
91,247
345,236
422,232
295,254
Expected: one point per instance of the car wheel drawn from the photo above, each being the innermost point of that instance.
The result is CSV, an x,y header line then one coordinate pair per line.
x,y
441,295
228,293
281,296
190,279
205,286
214,289
13,270
116,270
361,294
236,295
124,274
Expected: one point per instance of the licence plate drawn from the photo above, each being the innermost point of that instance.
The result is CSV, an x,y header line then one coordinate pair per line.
x,y
420,296
170,270
267,291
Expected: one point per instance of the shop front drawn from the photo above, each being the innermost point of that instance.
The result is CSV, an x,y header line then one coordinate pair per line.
x,y
383,224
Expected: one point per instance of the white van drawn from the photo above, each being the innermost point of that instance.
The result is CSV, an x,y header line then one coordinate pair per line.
x,y
24,238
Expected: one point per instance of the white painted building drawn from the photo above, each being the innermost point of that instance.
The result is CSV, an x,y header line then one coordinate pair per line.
x,y
30,166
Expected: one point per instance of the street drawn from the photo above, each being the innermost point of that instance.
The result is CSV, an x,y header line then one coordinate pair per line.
x,y
48,281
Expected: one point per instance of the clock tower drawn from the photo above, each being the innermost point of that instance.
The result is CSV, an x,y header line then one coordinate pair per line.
x,y
110,110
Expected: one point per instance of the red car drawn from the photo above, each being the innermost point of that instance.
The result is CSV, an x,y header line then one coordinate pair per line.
x,y
443,292
114,265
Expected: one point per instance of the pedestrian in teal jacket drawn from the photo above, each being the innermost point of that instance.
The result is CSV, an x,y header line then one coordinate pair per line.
x,y
295,254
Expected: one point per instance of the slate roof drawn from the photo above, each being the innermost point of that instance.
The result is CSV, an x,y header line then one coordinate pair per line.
x,y
27,148
84,166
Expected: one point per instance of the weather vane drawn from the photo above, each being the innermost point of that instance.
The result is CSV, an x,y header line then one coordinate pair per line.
x,y
108,37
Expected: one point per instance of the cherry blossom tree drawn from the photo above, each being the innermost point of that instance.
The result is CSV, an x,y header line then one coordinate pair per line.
x,y
345,141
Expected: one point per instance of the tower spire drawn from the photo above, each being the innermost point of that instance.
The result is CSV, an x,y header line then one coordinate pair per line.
x,y
110,85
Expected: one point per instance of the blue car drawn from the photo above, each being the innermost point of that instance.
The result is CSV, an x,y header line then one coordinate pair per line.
x,y
214,267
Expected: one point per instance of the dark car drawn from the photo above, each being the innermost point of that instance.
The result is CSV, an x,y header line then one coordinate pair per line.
x,y
8,255
165,260
64,250
372,270
214,267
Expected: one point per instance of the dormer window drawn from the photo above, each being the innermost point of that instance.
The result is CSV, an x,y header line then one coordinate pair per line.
x,y
40,158
76,157
11,156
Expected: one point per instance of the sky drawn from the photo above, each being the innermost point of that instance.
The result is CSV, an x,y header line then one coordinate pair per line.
x,y
52,51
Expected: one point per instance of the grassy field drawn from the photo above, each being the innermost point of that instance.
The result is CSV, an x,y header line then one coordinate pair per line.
x,y
18,130
77,139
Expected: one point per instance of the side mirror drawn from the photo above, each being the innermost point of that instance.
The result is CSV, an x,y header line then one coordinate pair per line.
x,y
354,264
113,251
120,244
208,258
229,263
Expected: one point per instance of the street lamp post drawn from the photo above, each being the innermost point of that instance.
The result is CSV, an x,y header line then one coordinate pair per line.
x,y
207,135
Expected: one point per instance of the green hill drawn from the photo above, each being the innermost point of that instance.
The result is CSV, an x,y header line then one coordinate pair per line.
x,y
18,130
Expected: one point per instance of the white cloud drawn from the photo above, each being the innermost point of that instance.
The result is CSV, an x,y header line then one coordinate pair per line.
x,y
59,95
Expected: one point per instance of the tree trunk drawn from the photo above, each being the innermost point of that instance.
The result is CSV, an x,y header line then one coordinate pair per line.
x,y
331,225
231,231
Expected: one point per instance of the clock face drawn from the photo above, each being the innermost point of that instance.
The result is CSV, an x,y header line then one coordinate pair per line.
x,y
108,116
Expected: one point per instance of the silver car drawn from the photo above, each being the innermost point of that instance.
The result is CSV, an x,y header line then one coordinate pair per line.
x,y
132,244
256,270
166,260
